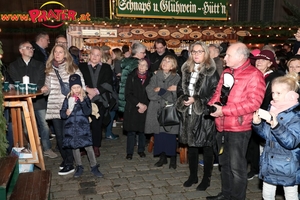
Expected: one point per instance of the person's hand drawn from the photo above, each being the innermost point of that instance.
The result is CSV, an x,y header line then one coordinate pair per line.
x,y
142,107
68,112
156,89
44,89
297,35
172,88
273,122
190,101
80,98
256,119
219,112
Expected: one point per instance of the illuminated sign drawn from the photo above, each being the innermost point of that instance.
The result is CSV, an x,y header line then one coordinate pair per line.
x,y
48,17
173,9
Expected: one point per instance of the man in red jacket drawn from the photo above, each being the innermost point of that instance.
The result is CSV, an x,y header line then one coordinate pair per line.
x,y
233,119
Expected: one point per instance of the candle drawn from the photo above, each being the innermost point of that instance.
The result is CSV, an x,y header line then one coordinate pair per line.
x,y
26,82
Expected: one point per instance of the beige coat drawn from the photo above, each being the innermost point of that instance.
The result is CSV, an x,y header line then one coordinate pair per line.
x,y
56,98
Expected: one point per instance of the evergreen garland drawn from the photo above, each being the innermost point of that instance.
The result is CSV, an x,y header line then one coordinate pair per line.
x,y
3,125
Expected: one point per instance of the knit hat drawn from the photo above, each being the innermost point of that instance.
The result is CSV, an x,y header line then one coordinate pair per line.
x,y
75,79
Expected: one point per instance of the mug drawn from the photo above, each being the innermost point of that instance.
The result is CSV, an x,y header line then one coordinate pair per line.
x,y
6,86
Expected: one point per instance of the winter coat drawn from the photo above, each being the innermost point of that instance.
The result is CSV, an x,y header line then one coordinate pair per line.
x,y
77,127
36,72
199,119
127,66
159,100
105,77
245,97
56,98
135,92
279,162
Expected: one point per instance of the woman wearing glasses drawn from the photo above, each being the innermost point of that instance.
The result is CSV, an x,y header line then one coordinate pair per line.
x,y
199,81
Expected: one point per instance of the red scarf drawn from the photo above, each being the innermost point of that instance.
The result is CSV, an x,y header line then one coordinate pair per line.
x,y
142,77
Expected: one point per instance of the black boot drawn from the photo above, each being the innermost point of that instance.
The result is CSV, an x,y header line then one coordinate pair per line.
x,y
208,159
173,163
162,160
193,166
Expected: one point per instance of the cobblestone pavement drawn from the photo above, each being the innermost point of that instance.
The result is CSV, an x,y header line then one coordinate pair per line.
x,y
135,179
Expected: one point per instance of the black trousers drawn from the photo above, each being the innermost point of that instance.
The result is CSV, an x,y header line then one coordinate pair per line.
x,y
96,128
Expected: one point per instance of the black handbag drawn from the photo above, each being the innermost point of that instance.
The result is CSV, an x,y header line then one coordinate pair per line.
x,y
168,116
64,87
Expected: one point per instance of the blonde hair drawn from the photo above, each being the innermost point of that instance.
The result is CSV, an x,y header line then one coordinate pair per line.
x,y
291,80
207,60
173,61
82,93
70,66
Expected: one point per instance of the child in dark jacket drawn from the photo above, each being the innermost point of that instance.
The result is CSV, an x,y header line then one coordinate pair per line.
x,y
75,110
279,162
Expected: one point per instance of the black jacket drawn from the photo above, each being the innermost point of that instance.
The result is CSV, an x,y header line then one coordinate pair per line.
x,y
135,92
38,54
204,88
36,72
105,76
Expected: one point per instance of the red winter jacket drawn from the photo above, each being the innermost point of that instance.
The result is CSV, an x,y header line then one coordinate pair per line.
x,y
245,97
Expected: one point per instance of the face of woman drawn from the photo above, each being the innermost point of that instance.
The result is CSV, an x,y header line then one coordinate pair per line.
x,y
59,54
279,91
167,65
198,54
294,66
262,65
143,67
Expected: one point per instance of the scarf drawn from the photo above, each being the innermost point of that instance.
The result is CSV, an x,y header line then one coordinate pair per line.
x,y
166,74
291,99
56,64
142,77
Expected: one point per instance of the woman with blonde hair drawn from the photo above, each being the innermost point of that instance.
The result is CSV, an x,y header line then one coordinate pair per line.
x,y
59,67
199,81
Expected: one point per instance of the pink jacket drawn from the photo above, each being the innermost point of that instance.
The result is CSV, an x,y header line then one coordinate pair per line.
x,y
245,97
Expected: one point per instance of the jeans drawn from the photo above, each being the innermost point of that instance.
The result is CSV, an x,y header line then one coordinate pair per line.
x,y
108,131
66,154
233,163
43,128
269,192
131,142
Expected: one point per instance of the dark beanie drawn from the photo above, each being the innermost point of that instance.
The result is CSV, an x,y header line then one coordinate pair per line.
x,y
75,79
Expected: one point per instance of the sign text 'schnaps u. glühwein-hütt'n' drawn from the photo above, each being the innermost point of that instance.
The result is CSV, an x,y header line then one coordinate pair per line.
x,y
176,9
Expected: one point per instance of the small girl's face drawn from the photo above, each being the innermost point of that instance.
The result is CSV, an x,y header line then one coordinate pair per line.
x,y
279,91
76,89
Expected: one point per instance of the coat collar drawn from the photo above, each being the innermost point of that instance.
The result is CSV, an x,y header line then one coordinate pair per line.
x,y
205,69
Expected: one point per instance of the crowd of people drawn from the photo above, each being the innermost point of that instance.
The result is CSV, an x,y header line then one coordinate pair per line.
x,y
217,92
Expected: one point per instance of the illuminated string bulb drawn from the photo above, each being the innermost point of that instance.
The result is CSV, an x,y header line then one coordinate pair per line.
x,y
52,20
142,25
270,27
268,36
258,36
229,18
79,23
198,26
118,25
176,26
251,28
209,27
276,35
66,23
154,25
221,27
188,26
241,27
290,29
165,26
130,25
280,28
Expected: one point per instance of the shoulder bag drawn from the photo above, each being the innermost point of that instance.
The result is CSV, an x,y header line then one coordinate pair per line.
x,y
64,87
168,116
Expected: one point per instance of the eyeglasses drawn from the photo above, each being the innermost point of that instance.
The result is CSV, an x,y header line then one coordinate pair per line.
x,y
28,48
199,52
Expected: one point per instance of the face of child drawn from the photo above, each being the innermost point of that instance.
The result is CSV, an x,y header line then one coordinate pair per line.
x,y
76,89
279,91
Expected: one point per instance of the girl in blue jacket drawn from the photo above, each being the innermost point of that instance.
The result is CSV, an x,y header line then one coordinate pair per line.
x,y
75,110
279,162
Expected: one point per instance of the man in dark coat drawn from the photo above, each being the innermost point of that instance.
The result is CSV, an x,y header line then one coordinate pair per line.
x,y
98,78
156,57
26,65
42,41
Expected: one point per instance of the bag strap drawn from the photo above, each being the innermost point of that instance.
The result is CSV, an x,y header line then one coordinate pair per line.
x,y
59,78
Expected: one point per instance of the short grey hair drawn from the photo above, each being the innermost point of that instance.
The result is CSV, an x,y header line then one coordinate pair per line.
x,y
137,47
